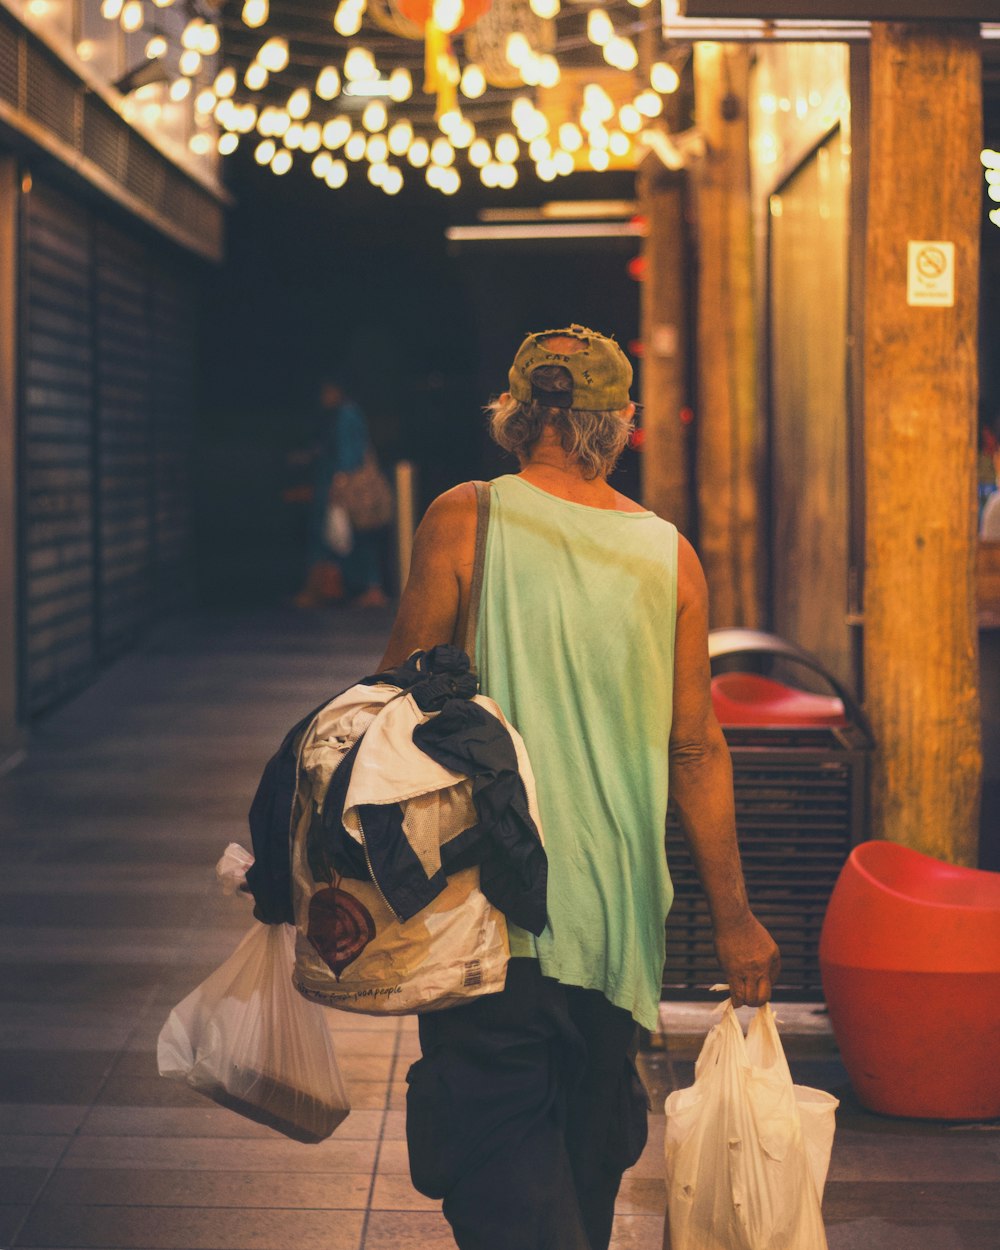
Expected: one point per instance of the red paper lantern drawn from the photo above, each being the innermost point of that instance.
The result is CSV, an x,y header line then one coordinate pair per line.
x,y
420,11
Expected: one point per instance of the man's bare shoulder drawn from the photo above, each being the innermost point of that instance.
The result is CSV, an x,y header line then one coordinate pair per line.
x,y
692,589
453,511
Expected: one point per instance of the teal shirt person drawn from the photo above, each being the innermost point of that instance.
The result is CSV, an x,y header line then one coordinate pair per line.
x,y
576,644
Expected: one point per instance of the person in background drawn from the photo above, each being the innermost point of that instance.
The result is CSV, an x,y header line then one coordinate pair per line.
x,y
989,522
526,1107
341,442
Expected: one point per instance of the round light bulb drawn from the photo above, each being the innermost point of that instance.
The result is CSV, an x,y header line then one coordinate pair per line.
x,y
564,163
225,83
210,41
200,144
400,137
256,76
376,173
480,153
255,13
347,19
293,135
359,65
630,119
377,149
375,116
156,47
664,78
545,9
507,176
570,137
446,14
450,181
450,120
337,175
264,152
299,103
280,122
392,180
180,89
312,137
546,169
205,101
621,53
550,72
191,34
599,27
336,132
132,17
111,10
522,110
463,134
273,54
419,153
354,148
282,161
228,143
189,62
518,50
531,70
599,159
227,114
442,153
539,149
649,103
473,82
328,82
321,164
400,85
619,144
506,149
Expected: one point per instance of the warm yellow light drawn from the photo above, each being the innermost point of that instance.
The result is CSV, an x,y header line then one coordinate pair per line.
x,y
433,176
446,14
299,103
273,54
990,158
539,150
630,119
189,62
442,153
359,65
400,85
619,144
570,137
419,153
180,89
507,176
191,34
280,123
200,144
321,165
506,149
563,162
210,41
449,181
255,13
354,148
489,174
205,101
132,17
375,116
156,47
228,143
328,82
531,70
479,153
649,104
599,159
337,175
392,181
534,127
347,19
400,137
111,10
450,120
293,135
281,162
664,78
598,137
518,50
376,172
473,82
463,134
256,76
377,149
227,114
85,49
521,110
545,9
225,83
599,27
597,101
550,73
336,132
621,53
639,4
546,169
312,137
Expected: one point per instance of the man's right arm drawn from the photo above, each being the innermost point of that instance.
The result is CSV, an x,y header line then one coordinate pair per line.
x,y
701,785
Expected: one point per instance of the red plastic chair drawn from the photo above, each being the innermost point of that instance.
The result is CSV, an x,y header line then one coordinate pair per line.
x,y
910,958
749,699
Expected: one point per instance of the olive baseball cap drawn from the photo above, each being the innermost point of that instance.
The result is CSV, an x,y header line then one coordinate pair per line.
x,y
600,370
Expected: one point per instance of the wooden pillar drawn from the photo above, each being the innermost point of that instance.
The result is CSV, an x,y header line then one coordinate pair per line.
x,y
666,450
9,196
726,413
920,365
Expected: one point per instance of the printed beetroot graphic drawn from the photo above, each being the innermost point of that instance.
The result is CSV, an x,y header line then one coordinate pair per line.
x,y
339,927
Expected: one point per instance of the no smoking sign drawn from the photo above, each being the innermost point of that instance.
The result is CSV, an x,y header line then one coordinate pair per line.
x,y
930,276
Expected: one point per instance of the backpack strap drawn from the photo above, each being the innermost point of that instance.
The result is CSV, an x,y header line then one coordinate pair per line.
x,y
479,562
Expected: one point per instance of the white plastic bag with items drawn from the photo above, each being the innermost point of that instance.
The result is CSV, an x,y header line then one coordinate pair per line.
x,y
747,1151
248,1040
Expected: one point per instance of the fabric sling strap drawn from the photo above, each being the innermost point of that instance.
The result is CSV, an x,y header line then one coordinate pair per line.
x,y
479,562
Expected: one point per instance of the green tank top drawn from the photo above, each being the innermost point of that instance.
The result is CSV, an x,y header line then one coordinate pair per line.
x,y
576,644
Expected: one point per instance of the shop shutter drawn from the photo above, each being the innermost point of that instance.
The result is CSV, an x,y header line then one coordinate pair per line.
x,y
124,439
57,501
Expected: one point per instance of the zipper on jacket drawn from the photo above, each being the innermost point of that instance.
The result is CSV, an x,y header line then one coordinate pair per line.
x,y
371,872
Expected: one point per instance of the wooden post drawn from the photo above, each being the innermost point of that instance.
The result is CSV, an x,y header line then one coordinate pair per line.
x,y
726,418
666,450
920,364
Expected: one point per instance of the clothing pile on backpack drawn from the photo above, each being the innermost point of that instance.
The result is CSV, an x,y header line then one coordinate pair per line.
x,y
397,828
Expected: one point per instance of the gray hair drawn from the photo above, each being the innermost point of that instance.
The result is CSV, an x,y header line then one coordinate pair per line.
x,y
594,440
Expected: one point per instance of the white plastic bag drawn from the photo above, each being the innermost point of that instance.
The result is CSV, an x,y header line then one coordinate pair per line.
x,y
248,1040
337,531
747,1151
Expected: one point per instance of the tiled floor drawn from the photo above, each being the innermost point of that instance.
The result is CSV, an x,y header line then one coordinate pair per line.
x,y
109,915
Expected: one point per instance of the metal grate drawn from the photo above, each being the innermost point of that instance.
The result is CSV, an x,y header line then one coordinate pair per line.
x,y
9,72
799,809
104,139
51,95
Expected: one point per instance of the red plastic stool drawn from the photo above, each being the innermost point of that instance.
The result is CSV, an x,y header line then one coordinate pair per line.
x,y
910,958
749,699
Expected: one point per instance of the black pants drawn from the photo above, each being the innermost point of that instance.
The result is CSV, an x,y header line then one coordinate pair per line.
x,y
524,1112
